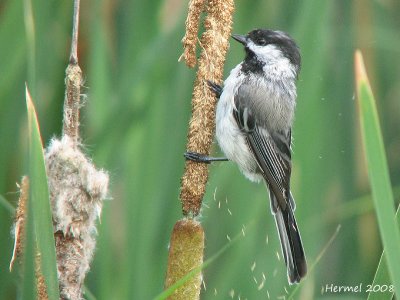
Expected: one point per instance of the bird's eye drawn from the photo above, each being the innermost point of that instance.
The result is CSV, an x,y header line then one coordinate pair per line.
x,y
261,42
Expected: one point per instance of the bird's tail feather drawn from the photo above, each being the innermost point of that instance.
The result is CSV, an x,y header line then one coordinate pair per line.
x,y
292,247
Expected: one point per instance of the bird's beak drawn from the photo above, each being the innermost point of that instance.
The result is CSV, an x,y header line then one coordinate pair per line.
x,y
240,38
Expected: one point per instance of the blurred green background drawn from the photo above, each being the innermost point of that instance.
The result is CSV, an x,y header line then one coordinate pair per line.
x,y
134,124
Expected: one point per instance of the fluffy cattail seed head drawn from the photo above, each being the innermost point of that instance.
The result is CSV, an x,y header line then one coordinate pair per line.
x,y
77,190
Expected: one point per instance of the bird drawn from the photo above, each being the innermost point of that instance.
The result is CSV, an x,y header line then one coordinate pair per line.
x,y
254,119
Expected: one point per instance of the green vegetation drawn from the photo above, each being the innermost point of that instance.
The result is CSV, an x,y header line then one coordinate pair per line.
x,y
134,124
378,176
39,211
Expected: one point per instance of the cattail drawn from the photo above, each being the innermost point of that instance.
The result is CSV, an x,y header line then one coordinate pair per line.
x,y
189,41
77,190
185,254
20,217
215,44
19,238
187,240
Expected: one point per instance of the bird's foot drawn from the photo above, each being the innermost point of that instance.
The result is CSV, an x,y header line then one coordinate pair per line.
x,y
216,88
201,158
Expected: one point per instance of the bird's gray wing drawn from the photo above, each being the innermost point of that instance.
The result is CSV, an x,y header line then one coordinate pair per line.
x,y
271,150
272,153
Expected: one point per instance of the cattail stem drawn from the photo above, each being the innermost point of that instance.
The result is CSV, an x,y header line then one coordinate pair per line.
x,y
73,59
73,82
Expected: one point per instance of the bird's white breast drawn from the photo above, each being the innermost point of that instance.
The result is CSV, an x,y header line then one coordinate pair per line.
x,y
229,137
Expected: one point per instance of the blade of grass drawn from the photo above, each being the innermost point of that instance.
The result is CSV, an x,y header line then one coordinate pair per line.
x,y
39,201
88,294
378,171
29,290
7,205
382,277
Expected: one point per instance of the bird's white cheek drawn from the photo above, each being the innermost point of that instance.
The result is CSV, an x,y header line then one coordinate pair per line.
x,y
266,53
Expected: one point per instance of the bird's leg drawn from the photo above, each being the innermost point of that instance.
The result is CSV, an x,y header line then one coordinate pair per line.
x,y
216,88
201,158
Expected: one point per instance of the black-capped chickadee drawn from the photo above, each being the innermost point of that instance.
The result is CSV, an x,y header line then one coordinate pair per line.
x,y
254,118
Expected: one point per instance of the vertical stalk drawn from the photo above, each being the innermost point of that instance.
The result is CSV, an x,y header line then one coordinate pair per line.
x,y
187,239
73,82
214,43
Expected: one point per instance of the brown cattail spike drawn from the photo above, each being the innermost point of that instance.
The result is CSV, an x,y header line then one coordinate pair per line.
x,y
215,44
20,214
185,254
40,281
189,41
19,235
